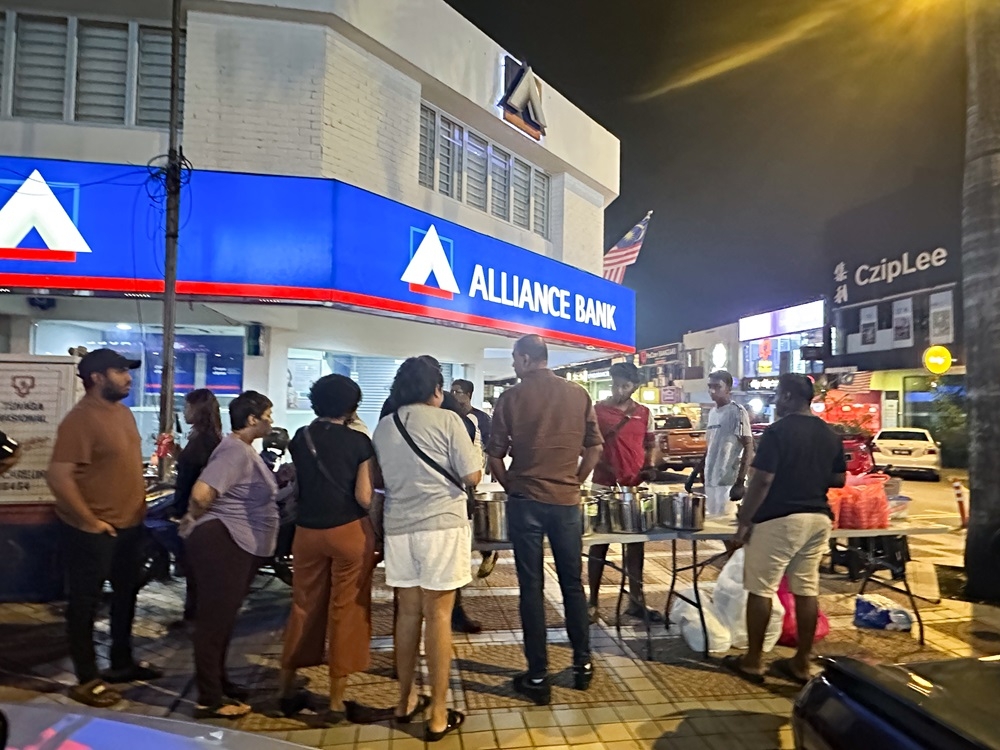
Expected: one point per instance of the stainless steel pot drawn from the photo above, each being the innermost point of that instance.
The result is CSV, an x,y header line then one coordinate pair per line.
x,y
632,510
594,512
680,510
489,517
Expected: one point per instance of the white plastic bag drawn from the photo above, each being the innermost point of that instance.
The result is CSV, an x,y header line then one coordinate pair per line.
x,y
685,616
729,602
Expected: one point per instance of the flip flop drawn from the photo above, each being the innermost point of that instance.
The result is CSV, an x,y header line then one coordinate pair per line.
x,y
423,703
455,720
96,694
734,664
228,709
783,668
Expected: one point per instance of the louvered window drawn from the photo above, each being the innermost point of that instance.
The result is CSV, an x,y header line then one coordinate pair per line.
x,y
3,50
500,183
522,194
428,122
153,88
450,159
476,172
101,72
40,67
541,199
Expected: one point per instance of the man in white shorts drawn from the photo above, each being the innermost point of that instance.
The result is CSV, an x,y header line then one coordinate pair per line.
x,y
785,523
730,449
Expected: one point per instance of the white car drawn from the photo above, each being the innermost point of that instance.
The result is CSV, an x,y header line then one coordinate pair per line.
x,y
907,449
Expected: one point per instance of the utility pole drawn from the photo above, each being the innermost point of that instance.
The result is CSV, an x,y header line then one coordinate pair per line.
x,y
173,184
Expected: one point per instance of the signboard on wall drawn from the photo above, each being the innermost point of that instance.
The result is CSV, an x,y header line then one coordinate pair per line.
x,y
34,397
268,238
807,317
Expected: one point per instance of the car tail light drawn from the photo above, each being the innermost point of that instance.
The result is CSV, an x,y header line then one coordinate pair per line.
x,y
876,449
932,451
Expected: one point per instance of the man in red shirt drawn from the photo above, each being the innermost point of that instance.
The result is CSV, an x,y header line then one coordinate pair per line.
x,y
629,458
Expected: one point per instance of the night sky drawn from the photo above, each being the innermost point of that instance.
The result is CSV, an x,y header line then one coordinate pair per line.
x,y
748,127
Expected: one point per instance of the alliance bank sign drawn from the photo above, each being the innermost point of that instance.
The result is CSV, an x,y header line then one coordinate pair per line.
x,y
434,256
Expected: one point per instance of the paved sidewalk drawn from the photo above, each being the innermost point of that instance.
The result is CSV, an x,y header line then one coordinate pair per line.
x,y
675,700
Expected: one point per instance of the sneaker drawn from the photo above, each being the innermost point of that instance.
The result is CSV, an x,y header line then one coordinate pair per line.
x,y
489,562
535,689
583,675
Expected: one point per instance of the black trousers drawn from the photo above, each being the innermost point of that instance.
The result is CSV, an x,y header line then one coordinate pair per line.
x,y
222,573
92,559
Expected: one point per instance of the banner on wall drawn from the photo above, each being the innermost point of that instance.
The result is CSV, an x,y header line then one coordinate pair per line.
x,y
942,318
902,323
869,326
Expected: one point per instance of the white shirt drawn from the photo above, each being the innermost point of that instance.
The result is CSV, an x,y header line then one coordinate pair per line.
x,y
726,426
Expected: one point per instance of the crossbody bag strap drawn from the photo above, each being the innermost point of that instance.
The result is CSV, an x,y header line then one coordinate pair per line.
x,y
423,456
311,447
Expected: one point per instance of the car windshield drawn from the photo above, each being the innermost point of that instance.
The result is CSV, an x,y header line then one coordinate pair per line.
x,y
907,435
673,423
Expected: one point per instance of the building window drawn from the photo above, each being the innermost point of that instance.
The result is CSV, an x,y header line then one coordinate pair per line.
x,y
78,70
101,72
493,179
40,49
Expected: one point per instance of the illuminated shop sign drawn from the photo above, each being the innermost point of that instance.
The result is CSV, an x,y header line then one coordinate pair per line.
x,y
92,227
796,319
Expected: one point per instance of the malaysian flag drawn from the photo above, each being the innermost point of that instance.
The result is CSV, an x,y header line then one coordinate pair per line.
x,y
625,253
855,382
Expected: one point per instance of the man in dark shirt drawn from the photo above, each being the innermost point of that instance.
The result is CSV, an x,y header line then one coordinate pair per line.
x,y
785,523
462,390
546,424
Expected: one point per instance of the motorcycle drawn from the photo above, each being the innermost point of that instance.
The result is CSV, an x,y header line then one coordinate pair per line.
x,y
164,554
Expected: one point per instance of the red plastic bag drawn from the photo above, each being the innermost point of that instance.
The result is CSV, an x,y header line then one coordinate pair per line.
x,y
789,627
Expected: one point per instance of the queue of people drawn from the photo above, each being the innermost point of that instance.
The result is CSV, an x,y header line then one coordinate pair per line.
x,y
404,496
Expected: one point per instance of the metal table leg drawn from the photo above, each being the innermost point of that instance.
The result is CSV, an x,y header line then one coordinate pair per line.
x,y
875,563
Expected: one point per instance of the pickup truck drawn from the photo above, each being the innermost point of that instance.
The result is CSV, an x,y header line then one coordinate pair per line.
x,y
680,444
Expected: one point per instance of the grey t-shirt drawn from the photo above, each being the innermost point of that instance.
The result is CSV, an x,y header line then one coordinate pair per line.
x,y
725,428
417,497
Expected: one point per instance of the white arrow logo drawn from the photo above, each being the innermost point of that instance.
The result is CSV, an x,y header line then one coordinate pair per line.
x,y
430,258
35,206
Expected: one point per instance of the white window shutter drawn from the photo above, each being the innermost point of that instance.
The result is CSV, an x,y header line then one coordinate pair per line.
x,y
40,67
500,183
428,118
541,199
450,157
3,50
153,89
522,194
477,170
101,72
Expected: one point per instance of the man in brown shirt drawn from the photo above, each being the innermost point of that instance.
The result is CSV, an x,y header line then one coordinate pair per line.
x,y
96,477
546,424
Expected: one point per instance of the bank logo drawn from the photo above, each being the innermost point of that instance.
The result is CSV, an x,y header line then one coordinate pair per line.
x,y
521,102
428,257
34,207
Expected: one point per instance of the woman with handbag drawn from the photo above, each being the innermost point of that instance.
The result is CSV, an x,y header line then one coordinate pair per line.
x,y
427,461
334,551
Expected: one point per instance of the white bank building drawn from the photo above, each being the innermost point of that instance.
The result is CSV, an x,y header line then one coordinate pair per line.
x,y
365,181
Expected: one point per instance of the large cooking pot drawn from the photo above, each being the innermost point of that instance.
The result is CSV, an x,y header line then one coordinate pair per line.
x,y
489,517
594,513
680,510
632,510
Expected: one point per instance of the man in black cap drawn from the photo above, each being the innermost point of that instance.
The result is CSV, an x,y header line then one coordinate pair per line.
x,y
96,477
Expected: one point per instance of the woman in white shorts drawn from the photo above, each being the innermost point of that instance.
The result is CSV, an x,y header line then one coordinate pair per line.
x,y
426,531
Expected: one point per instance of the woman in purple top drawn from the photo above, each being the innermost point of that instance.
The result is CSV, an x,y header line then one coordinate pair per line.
x,y
231,526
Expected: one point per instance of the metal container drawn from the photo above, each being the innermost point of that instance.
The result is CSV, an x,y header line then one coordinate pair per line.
x,y
594,513
489,517
680,510
632,510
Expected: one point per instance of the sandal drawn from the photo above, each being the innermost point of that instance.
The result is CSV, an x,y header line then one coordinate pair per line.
x,y
423,703
734,664
96,694
359,713
228,709
783,668
455,720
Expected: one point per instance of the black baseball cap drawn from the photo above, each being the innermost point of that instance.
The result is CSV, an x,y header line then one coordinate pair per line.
x,y
102,360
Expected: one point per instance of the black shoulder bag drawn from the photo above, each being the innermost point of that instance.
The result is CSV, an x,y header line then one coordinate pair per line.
x,y
470,492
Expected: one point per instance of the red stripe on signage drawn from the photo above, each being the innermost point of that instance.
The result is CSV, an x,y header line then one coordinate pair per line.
x,y
297,294
56,256
431,291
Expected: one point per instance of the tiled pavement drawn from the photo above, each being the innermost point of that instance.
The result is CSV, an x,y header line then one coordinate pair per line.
x,y
676,700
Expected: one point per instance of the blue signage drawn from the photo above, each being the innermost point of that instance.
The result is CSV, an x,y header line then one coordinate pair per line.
x,y
83,226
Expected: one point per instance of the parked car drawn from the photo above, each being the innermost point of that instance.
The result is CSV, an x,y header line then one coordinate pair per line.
x,y
680,444
936,704
857,447
909,449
